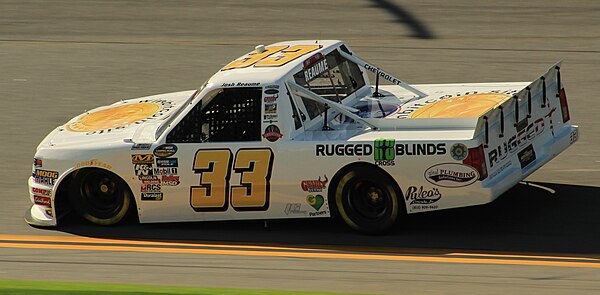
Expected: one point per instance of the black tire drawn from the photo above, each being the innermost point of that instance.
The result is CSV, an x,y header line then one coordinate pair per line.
x,y
368,201
99,196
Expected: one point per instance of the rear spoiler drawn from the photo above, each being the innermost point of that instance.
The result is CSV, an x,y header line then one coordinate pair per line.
x,y
534,100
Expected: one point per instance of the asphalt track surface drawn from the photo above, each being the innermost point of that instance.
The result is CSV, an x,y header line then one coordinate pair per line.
x,y
542,237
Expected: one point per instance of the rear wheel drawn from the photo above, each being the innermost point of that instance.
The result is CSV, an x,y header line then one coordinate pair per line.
x,y
367,200
99,196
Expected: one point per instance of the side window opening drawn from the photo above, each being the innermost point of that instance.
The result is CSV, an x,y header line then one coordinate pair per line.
x,y
332,77
230,114
295,115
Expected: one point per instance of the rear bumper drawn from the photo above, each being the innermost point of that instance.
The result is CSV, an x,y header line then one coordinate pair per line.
x,y
545,152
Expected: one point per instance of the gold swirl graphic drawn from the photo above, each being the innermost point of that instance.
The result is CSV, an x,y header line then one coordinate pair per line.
x,y
465,106
114,117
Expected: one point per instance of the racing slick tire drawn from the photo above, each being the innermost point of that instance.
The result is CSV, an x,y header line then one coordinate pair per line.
x,y
368,200
99,196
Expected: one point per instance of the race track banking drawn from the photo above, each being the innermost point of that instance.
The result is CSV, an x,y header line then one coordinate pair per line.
x,y
542,237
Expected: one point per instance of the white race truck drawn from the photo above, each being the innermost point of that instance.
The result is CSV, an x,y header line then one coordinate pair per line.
x,y
297,130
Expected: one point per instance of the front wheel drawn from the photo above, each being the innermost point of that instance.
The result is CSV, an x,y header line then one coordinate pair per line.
x,y
99,196
367,200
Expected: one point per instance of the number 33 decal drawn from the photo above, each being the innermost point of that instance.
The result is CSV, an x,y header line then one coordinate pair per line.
x,y
272,56
215,192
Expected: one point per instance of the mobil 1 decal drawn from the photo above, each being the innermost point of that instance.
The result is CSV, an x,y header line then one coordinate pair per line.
x,y
451,175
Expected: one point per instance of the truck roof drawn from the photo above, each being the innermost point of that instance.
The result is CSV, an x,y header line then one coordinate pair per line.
x,y
283,58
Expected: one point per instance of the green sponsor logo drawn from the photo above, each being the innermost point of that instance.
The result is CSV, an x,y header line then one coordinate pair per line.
x,y
315,201
384,149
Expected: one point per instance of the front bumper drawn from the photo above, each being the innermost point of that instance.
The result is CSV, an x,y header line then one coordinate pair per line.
x,y
37,216
40,215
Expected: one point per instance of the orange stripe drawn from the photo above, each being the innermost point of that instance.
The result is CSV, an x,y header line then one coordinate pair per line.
x,y
304,255
525,256
60,239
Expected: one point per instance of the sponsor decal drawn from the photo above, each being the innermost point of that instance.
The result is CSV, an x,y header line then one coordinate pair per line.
x,y
274,86
318,213
323,150
313,59
451,175
37,162
459,151
119,117
150,188
271,98
170,180
272,133
150,179
315,201
240,84
165,150
142,159
45,176
314,186
386,150
270,117
170,162
165,171
143,170
46,173
271,91
420,195
526,156
523,136
294,208
41,191
270,108
464,106
315,69
500,169
42,201
457,99
382,74
152,196
93,162
141,146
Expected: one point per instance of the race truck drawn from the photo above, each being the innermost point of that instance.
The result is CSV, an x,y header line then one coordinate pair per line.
x,y
300,129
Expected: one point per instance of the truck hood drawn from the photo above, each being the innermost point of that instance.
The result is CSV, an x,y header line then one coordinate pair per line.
x,y
136,120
